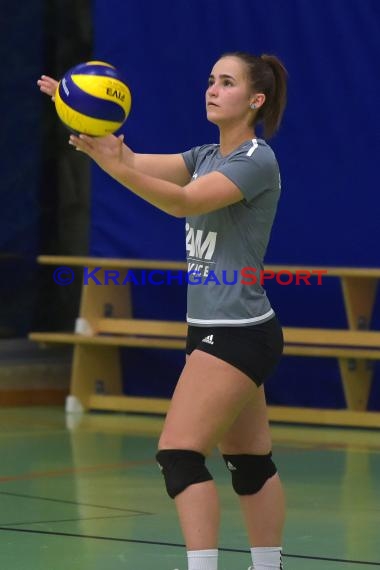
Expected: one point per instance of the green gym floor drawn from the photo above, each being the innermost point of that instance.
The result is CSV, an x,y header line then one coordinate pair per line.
x,y
85,493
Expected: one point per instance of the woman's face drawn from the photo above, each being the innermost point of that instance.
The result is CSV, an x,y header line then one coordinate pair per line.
x,y
229,92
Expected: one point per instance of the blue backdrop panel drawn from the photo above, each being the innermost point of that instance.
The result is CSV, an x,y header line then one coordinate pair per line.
x,y
328,149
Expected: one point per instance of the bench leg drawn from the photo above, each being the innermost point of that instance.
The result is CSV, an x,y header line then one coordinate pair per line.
x,y
359,295
357,381
96,370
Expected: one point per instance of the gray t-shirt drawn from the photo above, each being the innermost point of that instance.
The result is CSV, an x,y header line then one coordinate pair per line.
x,y
222,243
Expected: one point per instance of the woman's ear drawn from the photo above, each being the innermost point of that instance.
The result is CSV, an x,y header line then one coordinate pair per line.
x,y
258,101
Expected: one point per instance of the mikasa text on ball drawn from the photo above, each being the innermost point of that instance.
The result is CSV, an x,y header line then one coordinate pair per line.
x,y
93,99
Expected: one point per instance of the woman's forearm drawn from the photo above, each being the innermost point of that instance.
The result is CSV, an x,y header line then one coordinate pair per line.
x,y
163,194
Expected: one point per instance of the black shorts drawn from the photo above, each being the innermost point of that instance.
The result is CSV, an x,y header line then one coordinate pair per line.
x,y
254,349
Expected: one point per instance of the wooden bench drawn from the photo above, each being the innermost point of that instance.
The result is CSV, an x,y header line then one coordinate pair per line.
x,y
96,363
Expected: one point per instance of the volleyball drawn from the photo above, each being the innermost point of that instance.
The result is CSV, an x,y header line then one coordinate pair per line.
x,y
93,99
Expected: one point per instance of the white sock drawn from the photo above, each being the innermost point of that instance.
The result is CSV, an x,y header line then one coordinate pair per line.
x,y
267,558
202,559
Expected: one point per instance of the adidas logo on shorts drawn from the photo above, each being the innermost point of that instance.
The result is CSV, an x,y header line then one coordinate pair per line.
x,y
209,339
230,466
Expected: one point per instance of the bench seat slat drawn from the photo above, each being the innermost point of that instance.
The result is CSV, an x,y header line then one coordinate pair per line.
x,y
332,351
116,263
134,340
104,340
292,335
109,263
276,413
143,327
332,337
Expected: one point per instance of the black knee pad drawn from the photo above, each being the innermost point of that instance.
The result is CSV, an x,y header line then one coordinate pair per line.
x,y
249,472
182,468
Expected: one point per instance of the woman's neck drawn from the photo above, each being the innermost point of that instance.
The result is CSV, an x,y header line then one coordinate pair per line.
x,y
232,138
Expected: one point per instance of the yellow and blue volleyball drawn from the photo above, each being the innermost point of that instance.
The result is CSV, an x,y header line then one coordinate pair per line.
x,y
92,98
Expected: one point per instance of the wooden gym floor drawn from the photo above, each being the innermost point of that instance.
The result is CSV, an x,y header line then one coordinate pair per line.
x,y
85,493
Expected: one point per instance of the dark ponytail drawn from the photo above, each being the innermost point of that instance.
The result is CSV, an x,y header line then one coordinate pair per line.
x,y
275,103
269,76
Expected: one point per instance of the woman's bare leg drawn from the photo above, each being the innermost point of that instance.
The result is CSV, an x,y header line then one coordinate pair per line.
x,y
209,396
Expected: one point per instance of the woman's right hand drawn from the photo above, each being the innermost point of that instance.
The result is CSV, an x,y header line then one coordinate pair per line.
x,y
48,85
114,148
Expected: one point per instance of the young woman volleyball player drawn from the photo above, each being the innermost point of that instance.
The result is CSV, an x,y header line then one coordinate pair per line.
x,y
228,193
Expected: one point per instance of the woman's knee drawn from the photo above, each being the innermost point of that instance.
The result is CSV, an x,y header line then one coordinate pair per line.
x,y
249,472
182,468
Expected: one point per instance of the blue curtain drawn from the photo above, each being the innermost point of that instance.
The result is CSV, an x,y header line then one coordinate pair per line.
x,y
328,150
